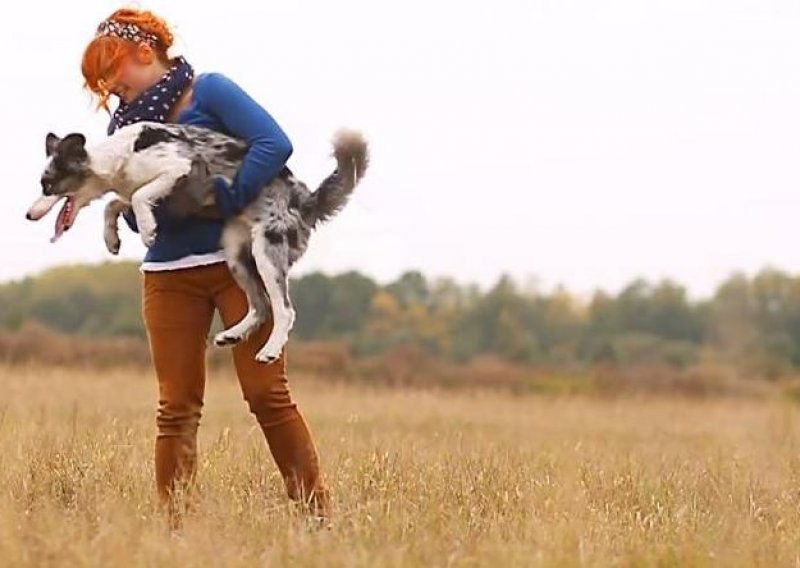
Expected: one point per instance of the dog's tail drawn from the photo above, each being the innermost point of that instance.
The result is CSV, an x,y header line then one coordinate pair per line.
x,y
352,158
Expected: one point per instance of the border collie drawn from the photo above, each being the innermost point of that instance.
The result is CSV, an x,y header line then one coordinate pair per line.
x,y
147,162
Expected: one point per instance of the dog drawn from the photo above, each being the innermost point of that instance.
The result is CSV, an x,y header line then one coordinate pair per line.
x,y
148,162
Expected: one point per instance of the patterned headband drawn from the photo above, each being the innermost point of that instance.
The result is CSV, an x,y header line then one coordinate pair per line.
x,y
130,32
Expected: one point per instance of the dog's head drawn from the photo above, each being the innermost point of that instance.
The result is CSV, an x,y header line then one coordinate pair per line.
x,y
67,167
66,173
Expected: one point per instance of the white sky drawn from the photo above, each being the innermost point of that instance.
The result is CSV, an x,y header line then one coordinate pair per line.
x,y
583,142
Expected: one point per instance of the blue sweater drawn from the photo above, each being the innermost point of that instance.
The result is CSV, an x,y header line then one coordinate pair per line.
x,y
220,104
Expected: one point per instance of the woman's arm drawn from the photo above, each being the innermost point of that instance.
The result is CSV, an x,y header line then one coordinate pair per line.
x,y
268,146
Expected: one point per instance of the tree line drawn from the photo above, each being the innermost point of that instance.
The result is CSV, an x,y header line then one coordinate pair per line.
x,y
750,322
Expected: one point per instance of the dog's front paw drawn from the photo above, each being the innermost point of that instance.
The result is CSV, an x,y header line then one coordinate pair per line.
x,y
148,239
147,229
112,242
148,233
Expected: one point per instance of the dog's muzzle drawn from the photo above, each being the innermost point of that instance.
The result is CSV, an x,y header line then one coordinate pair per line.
x,y
41,206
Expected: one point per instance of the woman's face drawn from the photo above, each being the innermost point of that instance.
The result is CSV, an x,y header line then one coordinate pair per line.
x,y
133,79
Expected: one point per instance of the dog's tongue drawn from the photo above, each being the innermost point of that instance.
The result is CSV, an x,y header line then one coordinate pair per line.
x,y
66,216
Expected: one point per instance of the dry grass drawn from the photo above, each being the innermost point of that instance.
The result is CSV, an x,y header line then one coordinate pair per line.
x,y
420,479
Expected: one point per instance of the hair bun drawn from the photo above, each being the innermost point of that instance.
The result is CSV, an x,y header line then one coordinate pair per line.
x,y
148,22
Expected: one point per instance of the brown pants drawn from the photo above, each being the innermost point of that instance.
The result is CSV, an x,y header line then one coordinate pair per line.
x,y
178,308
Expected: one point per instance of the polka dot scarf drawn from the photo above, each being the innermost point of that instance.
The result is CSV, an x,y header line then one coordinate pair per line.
x,y
155,103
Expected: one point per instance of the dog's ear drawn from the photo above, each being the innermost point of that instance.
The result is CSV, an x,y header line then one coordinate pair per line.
x,y
74,144
51,142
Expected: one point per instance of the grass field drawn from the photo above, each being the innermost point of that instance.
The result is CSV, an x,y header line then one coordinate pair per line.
x,y
419,479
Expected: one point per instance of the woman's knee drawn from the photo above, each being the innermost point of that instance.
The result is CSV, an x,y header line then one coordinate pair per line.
x,y
178,418
266,391
271,403
265,386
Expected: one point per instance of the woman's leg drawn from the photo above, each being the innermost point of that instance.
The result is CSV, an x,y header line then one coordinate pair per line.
x,y
177,314
266,390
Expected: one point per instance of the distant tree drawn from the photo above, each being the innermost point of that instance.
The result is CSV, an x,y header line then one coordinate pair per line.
x,y
410,288
752,324
311,295
499,322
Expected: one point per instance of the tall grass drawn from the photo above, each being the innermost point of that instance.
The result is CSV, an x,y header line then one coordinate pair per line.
x,y
419,478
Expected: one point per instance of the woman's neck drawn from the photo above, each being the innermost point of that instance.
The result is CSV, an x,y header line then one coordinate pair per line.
x,y
180,105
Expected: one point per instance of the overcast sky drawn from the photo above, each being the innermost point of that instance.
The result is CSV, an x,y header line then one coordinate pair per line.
x,y
583,142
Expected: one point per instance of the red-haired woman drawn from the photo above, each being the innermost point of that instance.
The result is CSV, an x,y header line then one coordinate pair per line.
x,y
185,276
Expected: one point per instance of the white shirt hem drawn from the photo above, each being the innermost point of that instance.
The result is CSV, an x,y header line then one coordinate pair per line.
x,y
190,261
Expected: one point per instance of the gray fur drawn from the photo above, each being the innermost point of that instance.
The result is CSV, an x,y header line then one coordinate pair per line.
x,y
191,192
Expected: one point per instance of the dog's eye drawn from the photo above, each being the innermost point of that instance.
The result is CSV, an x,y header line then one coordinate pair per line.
x,y
47,182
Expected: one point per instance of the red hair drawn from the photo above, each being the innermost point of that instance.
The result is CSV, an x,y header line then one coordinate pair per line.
x,y
104,56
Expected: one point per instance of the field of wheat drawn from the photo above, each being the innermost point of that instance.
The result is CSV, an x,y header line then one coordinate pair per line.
x,y
419,478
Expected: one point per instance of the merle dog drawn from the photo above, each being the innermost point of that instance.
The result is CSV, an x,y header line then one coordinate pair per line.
x,y
147,162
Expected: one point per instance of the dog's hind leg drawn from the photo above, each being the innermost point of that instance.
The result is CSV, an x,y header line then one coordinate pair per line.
x,y
271,253
236,242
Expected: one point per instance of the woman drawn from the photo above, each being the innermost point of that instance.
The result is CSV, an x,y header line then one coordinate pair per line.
x,y
185,276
